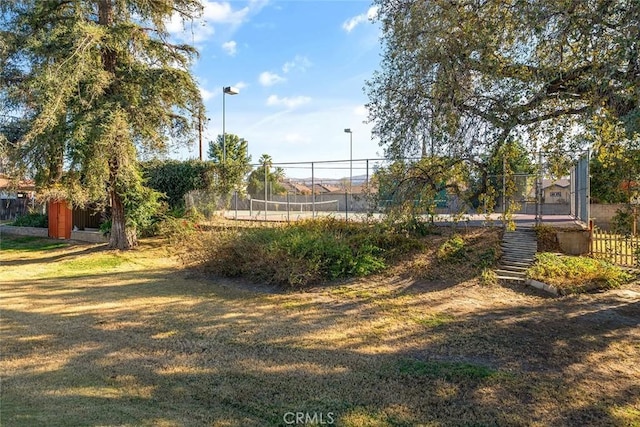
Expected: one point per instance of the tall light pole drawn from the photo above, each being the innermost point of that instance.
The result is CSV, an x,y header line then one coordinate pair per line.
x,y
227,90
348,130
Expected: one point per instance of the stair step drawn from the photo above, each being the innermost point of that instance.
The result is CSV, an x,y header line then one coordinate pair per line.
x,y
510,278
511,273
513,267
515,264
518,254
516,259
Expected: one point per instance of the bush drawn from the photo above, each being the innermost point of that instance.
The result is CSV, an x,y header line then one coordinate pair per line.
x,y
574,274
32,219
453,249
622,221
299,254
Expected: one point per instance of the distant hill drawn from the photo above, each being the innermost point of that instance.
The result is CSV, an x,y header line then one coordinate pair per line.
x,y
357,180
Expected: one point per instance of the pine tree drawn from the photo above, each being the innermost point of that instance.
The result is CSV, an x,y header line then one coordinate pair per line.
x,y
96,83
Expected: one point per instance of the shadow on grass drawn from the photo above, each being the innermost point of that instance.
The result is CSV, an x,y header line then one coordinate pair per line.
x,y
155,348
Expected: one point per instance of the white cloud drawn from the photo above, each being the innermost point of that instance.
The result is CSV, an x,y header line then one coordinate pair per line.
x,y
300,63
213,13
206,94
222,12
361,110
230,47
350,24
268,78
241,85
276,101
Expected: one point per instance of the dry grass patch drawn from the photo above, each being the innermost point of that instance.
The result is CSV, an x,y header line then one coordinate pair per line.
x,y
145,342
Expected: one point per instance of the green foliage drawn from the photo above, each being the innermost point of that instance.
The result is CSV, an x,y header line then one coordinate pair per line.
x,y
29,243
622,221
32,219
176,178
105,228
407,189
453,250
615,164
462,78
96,83
232,163
300,254
257,179
489,277
574,274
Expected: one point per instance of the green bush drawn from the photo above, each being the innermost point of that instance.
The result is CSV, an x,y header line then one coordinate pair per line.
x,y
574,274
32,219
453,249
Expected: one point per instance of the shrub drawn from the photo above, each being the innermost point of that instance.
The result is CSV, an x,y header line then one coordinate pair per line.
x,y
453,249
32,219
574,274
299,254
622,221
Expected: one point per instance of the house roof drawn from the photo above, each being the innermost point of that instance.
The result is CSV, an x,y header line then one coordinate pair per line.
x,y
326,188
9,184
562,182
295,187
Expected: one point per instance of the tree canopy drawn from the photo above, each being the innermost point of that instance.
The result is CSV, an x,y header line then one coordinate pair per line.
x,y
263,176
459,78
232,163
95,83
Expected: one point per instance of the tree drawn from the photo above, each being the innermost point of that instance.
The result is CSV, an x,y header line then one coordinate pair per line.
x,y
232,168
272,178
615,163
175,178
96,82
510,159
461,78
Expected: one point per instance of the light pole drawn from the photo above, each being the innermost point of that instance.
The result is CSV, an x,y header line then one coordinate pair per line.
x,y
227,90
350,157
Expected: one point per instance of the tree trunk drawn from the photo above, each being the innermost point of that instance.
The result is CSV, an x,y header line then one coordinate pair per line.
x,y
121,236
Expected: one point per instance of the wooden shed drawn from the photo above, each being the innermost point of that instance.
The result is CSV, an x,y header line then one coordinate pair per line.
x,y
60,219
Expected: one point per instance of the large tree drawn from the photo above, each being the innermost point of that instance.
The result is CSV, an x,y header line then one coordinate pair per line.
x,y
232,163
95,83
460,78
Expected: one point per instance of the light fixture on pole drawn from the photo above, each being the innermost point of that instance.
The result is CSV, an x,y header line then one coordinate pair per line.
x,y
227,90
350,157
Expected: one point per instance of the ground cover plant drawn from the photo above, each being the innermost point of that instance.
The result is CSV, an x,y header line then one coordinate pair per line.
x,y
133,339
574,274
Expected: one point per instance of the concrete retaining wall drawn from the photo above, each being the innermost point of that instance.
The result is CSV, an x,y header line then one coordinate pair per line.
x,y
82,236
24,231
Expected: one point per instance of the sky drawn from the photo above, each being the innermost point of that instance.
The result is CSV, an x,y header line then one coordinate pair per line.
x,y
300,67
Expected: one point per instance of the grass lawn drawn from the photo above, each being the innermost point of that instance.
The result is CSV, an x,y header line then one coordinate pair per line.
x,y
98,338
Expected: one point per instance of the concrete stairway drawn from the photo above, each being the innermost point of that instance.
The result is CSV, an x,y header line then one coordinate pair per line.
x,y
518,250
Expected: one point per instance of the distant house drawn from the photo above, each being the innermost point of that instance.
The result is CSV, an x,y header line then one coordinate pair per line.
x,y
327,188
553,191
15,197
296,188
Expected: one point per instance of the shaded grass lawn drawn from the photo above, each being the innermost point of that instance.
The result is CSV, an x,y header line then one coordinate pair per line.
x,y
106,338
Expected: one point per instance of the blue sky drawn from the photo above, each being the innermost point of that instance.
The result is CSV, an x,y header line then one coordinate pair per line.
x,y
300,66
